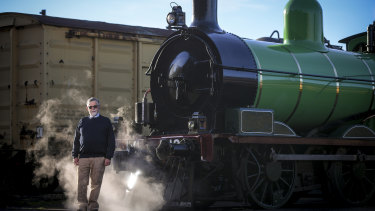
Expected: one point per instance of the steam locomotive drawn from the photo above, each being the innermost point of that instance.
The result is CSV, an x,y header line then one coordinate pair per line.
x,y
260,122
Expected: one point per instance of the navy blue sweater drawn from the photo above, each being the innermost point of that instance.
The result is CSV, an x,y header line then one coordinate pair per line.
x,y
94,138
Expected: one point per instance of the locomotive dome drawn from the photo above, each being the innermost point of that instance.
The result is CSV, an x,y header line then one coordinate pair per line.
x,y
303,24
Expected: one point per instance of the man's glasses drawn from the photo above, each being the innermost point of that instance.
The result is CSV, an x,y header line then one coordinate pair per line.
x,y
94,106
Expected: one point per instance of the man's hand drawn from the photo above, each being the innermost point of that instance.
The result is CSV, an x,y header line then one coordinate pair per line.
x,y
76,161
107,162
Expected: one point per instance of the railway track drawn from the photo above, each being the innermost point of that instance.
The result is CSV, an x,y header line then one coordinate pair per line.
x,y
56,203
306,204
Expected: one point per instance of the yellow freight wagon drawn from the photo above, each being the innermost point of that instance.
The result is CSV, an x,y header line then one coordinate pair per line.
x,y
46,58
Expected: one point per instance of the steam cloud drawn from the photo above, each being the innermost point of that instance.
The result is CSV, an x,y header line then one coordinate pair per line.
x,y
56,157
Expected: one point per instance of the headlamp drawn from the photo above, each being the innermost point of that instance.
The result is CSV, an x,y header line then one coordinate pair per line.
x,y
171,18
176,18
191,125
197,123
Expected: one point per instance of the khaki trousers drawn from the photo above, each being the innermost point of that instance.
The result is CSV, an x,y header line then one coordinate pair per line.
x,y
90,168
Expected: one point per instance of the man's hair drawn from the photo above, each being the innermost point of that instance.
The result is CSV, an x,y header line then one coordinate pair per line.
x,y
92,99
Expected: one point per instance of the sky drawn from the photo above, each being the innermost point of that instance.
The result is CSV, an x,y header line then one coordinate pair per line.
x,y
245,18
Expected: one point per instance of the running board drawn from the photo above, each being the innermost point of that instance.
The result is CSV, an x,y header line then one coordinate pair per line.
x,y
303,157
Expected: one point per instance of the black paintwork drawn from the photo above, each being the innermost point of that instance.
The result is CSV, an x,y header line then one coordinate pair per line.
x,y
183,79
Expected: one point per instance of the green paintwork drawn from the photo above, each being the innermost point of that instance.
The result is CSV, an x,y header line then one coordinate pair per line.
x,y
370,61
281,102
307,102
317,94
318,101
353,44
356,96
303,24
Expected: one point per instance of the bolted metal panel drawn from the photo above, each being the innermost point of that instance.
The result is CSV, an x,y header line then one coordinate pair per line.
x,y
5,66
69,62
68,73
146,54
115,72
27,83
30,50
40,65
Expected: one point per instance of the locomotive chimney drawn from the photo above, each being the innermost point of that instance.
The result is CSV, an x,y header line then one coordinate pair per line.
x,y
205,16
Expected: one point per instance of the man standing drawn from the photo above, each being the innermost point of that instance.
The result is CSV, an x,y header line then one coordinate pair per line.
x,y
93,148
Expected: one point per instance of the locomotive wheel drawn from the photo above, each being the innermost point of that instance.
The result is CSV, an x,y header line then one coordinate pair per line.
x,y
352,182
270,184
179,181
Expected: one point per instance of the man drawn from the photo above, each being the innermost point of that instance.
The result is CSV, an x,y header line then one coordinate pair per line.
x,y
93,148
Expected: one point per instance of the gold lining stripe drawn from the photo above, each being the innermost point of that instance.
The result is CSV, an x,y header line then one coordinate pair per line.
x,y
260,88
260,79
337,89
373,84
300,87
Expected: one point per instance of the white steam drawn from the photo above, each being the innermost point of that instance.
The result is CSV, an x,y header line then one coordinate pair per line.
x,y
54,155
132,180
145,195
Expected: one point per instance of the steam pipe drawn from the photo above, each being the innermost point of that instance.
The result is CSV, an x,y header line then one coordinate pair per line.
x,y
205,16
